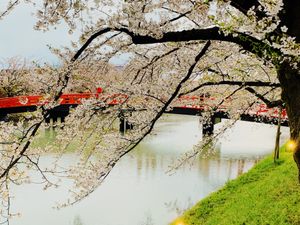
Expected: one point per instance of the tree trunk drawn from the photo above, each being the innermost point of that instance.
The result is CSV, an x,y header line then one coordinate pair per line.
x,y
278,133
290,81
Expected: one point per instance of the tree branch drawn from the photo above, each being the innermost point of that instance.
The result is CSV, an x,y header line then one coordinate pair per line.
x,y
9,8
153,60
247,42
230,95
88,42
233,83
175,93
162,110
20,155
180,15
270,104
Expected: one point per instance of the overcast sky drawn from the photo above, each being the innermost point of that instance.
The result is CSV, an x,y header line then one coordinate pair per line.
x,y
18,38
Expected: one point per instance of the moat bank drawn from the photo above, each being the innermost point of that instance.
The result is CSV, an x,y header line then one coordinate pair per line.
x,y
267,194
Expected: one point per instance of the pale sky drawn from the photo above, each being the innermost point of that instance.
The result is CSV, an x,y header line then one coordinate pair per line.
x,y
18,38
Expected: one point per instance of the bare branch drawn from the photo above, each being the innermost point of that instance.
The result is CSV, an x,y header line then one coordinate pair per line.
x,y
9,8
270,104
88,42
247,42
180,15
233,83
154,60
20,155
230,95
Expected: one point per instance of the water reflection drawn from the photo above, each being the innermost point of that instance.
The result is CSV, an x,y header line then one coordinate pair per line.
x,y
77,221
139,192
148,164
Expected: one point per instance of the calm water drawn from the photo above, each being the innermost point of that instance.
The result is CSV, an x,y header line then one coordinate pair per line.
x,y
138,191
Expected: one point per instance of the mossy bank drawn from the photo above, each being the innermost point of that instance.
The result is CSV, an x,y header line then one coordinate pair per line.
x,y
267,194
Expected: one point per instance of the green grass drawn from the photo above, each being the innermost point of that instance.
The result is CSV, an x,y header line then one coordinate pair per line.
x,y
267,194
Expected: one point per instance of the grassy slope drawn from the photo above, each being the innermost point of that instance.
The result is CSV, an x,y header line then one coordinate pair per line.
x,y
267,194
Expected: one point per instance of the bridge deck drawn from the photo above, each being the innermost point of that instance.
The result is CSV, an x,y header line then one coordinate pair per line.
x,y
258,113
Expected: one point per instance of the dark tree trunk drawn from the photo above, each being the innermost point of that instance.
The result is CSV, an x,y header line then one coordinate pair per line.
x,y
290,81
278,133
290,17
290,78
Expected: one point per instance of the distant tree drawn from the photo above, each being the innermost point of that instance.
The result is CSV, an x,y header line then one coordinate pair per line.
x,y
239,49
14,77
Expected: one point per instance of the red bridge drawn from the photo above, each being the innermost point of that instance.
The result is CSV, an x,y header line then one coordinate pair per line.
x,y
191,105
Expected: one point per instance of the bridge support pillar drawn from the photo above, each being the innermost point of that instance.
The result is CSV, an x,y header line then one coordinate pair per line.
x,y
124,125
208,126
3,117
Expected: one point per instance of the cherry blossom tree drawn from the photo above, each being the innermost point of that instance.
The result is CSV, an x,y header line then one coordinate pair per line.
x,y
14,78
242,50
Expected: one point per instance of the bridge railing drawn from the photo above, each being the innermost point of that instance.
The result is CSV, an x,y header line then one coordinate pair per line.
x,y
201,103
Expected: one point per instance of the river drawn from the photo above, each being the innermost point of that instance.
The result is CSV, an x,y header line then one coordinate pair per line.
x,y
139,192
